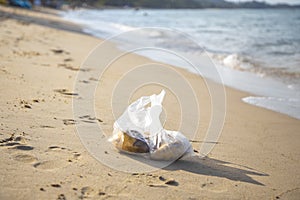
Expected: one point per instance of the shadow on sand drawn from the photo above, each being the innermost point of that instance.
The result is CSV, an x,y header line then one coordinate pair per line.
x,y
212,167
205,166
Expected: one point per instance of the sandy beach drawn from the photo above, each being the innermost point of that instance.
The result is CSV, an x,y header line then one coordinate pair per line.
x,y
42,157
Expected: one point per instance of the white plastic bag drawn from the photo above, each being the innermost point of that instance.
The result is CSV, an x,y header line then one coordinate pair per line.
x,y
139,131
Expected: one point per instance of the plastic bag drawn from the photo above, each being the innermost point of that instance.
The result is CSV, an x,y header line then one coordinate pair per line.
x,y
139,131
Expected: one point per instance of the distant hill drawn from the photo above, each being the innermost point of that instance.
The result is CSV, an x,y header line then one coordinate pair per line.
x,y
175,4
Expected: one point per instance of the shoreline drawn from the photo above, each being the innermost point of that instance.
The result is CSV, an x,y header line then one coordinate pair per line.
x,y
42,157
267,91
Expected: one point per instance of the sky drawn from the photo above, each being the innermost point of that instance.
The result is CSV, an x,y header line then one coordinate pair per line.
x,y
274,1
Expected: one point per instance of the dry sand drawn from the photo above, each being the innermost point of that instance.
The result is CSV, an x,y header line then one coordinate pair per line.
x,y
256,157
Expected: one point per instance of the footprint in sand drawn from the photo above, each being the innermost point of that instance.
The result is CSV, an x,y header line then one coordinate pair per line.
x,y
84,118
70,67
16,142
28,104
89,192
69,121
65,92
169,181
46,126
25,158
68,59
71,154
27,54
89,119
64,157
23,147
57,51
50,164
155,180
93,79
25,104
61,197
84,81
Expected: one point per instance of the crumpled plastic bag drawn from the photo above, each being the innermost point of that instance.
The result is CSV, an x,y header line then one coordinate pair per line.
x,y
139,131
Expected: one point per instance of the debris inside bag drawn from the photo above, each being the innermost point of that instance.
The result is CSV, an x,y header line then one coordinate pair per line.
x,y
132,141
139,131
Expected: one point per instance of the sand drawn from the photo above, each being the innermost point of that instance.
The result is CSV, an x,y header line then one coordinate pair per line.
x,y
42,157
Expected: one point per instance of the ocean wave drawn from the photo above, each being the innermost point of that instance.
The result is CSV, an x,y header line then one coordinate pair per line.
x,y
248,64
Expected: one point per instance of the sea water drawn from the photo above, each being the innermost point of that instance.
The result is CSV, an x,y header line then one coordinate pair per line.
x,y
255,50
